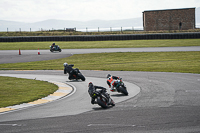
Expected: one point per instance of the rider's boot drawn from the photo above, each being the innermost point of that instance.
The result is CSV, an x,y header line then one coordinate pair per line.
x,y
113,90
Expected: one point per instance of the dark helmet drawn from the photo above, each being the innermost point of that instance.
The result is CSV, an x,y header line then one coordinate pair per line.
x,y
54,43
109,75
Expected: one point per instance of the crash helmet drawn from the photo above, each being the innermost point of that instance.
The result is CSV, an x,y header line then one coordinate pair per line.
x,y
65,64
90,84
54,43
109,75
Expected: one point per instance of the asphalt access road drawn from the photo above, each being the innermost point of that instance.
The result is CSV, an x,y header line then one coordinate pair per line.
x,y
168,102
12,56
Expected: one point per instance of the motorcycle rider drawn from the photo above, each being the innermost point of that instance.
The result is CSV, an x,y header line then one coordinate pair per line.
x,y
52,46
69,69
111,81
92,88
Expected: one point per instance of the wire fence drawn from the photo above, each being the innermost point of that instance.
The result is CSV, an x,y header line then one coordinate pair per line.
x,y
86,29
110,29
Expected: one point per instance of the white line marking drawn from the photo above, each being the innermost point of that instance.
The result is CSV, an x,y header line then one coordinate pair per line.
x,y
119,125
9,125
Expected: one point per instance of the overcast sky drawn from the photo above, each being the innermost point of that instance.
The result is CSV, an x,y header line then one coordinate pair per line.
x,y
84,10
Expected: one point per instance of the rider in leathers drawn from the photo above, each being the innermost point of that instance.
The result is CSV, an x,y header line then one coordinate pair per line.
x,y
69,69
111,81
53,45
92,88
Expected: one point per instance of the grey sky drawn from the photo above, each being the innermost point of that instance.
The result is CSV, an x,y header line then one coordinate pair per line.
x,y
84,10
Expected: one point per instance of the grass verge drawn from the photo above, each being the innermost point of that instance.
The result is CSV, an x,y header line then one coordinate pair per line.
x,y
183,62
15,91
64,33
100,44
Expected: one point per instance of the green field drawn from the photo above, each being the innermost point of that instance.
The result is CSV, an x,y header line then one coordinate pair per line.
x,y
186,62
100,44
17,90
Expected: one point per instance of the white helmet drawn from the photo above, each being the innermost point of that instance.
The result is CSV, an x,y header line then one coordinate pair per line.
x,y
65,64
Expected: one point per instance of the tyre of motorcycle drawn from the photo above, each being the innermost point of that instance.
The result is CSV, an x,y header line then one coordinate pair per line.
x,y
102,102
123,90
112,103
81,77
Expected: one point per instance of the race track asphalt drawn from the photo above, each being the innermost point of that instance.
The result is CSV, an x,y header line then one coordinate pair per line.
x,y
167,102
12,56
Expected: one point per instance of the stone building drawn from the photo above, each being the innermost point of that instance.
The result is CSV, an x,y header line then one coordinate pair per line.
x,y
171,19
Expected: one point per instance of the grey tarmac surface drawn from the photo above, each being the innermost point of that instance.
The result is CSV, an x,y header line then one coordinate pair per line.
x,y
76,103
167,103
12,56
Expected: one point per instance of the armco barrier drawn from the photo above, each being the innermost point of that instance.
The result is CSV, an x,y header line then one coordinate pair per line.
x,y
192,35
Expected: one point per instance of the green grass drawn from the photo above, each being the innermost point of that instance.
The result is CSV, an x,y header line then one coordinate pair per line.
x,y
61,32
100,44
183,62
15,91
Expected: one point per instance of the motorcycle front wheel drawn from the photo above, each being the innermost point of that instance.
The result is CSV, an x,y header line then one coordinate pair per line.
x,y
81,77
123,90
112,103
102,102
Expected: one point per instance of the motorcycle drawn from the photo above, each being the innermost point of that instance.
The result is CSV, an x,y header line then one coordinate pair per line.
x,y
55,48
103,99
77,75
120,87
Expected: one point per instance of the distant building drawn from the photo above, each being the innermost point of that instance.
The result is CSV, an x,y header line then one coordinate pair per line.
x,y
171,19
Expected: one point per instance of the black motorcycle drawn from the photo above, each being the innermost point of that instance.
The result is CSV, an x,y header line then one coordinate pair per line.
x,y
120,87
55,48
103,99
77,75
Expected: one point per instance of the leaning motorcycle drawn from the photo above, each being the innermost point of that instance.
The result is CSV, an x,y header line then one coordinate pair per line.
x,y
55,48
120,87
103,100
77,75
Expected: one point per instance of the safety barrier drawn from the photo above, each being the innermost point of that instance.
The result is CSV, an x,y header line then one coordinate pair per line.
x,y
193,35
